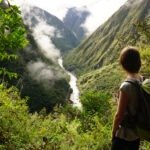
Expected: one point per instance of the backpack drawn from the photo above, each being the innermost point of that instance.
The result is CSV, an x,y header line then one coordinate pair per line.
x,y
142,118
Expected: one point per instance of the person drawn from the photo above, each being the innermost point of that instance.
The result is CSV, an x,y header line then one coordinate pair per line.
x,y
124,134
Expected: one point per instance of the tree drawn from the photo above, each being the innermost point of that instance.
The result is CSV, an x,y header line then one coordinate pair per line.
x,y
12,38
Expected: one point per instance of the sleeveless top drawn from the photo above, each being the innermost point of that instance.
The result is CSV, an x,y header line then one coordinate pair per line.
x,y
128,133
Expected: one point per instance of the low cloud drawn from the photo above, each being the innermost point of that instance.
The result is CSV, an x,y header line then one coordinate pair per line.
x,y
41,31
43,73
40,71
100,10
42,34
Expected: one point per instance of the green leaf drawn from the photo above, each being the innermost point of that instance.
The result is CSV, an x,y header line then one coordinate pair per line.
x,y
12,38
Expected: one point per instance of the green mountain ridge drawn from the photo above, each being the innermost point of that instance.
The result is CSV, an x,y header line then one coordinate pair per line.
x,y
104,45
64,128
63,38
34,69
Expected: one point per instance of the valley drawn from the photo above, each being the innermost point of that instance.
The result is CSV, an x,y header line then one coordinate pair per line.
x,y
58,83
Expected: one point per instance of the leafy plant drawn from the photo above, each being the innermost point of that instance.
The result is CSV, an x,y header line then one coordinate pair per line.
x,y
12,38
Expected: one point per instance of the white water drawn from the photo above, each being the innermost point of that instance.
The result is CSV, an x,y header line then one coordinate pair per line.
x,y
73,85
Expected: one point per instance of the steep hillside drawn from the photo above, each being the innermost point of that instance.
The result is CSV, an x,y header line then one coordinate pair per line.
x,y
39,76
63,38
106,79
74,20
103,46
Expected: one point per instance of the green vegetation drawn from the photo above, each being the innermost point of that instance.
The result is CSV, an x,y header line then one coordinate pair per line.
x,y
94,53
16,53
103,46
145,53
65,127
12,39
106,79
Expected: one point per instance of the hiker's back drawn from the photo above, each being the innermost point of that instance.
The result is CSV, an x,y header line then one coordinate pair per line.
x,y
132,95
128,129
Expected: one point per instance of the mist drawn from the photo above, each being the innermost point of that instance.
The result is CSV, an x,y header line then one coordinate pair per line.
x,y
100,10
44,73
42,34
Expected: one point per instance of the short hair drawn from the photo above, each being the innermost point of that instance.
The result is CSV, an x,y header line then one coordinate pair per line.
x,y
130,59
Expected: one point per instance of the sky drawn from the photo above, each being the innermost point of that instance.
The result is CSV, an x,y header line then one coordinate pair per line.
x,y
100,10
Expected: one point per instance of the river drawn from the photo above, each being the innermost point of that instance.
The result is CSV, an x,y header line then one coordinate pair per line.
x,y
74,97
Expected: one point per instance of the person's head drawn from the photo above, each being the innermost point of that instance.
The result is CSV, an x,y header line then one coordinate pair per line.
x,y
130,60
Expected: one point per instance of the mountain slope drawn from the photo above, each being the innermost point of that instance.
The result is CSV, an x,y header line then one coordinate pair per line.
x,y
63,38
103,46
74,20
39,75
39,78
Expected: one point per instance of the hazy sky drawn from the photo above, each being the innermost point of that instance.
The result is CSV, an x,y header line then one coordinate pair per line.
x,y
100,10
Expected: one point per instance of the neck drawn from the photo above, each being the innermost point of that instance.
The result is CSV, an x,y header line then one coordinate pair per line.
x,y
133,75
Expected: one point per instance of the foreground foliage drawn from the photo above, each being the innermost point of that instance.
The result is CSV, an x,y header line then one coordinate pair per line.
x,y
12,38
67,128
63,129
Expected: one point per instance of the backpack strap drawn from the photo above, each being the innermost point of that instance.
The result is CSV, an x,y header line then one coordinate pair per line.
x,y
135,83
130,119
